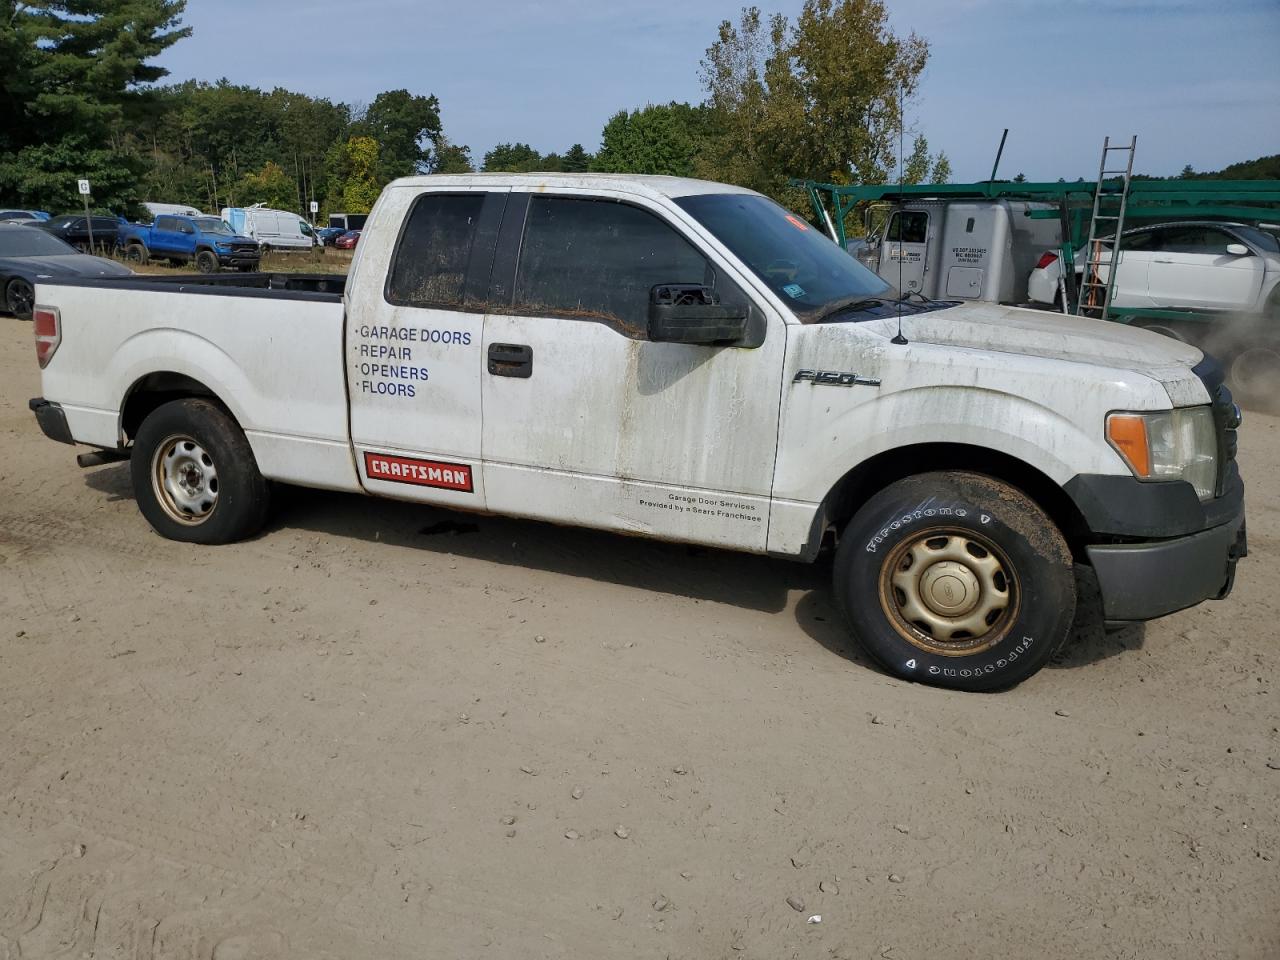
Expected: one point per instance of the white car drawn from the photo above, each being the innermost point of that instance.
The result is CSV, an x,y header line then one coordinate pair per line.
x,y
1189,265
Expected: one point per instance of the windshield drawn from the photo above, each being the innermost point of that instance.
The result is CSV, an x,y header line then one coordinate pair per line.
x,y
1260,238
30,242
214,225
802,266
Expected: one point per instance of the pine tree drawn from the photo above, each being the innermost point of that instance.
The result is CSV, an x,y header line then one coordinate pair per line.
x,y
74,76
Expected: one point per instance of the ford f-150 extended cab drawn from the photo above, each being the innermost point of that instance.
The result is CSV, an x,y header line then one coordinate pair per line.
x,y
681,360
206,240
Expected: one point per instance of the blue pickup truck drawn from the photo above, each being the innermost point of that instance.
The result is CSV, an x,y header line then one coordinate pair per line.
x,y
206,240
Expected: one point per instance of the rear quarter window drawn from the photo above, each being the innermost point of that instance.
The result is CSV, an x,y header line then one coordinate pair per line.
x,y
429,268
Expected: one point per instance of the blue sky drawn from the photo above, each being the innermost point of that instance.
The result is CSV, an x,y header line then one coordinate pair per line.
x,y
1196,81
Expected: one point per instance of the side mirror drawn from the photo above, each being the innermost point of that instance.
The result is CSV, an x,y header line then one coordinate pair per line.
x,y
692,313
1238,250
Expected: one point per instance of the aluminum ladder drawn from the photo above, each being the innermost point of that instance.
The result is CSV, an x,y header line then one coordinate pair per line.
x,y
1095,293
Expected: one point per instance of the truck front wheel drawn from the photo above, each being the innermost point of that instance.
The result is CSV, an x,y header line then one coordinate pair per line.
x,y
195,476
956,580
207,261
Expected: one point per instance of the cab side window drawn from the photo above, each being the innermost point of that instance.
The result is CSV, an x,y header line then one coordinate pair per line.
x,y
599,260
166,223
909,226
430,264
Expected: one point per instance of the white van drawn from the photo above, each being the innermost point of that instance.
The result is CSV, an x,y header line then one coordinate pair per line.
x,y
276,229
171,210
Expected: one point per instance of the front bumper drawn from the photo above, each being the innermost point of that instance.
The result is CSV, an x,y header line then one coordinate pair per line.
x,y
1142,581
238,260
52,420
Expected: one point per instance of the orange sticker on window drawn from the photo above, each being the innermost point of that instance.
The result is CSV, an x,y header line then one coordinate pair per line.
x,y
796,222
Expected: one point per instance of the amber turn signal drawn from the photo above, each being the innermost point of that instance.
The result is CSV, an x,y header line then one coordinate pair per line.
x,y
1128,434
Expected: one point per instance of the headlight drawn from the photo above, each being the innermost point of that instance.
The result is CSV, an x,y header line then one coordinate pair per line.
x,y
1171,445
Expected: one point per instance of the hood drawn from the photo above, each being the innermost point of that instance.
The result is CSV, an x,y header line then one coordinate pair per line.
x,y
69,265
237,238
1056,336
1043,333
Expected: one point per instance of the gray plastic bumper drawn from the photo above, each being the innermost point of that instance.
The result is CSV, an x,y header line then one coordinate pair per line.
x,y
1142,581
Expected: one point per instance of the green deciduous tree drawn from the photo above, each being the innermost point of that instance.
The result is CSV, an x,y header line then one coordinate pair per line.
x,y
820,99
71,78
407,129
512,158
354,182
451,158
270,186
659,139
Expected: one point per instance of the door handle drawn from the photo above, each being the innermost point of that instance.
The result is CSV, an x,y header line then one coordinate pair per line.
x,y
1162,261
511,360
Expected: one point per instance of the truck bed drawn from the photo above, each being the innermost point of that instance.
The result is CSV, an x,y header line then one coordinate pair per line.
x,y
269,345
324,287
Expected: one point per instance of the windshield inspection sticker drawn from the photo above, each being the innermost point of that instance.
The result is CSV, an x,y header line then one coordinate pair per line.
x,y
793,290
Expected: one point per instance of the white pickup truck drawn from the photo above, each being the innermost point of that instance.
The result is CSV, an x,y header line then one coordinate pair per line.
x,y
682,360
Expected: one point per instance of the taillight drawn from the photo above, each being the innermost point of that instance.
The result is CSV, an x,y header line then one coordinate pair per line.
x,y
1046,259
47,324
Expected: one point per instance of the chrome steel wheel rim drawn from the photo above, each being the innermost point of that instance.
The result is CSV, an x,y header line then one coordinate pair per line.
x,y
949,591
185,480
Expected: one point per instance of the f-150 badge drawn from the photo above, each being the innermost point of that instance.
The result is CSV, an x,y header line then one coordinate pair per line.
x,y
833,378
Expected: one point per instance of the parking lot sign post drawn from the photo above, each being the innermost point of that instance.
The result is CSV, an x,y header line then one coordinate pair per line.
x,y
84,193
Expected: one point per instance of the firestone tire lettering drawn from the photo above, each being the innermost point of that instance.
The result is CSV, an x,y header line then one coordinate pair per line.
x,y
1038,558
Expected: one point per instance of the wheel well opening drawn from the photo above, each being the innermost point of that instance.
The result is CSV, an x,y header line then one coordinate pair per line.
x,y
869,478
154,391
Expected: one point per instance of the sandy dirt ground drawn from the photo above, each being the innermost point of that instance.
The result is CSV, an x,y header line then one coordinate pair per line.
x,y
387,731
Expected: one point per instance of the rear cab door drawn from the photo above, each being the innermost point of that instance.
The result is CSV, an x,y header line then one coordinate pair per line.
x,y
165,237
1132,269
413,343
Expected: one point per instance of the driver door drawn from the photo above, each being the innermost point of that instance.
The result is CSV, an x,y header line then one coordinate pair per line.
x,y
906,245
586,420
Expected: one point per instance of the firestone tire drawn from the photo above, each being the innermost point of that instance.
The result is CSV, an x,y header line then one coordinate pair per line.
x,y
195,477
956,580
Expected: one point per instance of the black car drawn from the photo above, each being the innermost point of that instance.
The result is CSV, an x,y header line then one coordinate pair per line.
x,y
28,255
75,230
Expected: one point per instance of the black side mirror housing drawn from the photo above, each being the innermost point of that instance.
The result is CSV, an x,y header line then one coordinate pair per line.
x,y
693,313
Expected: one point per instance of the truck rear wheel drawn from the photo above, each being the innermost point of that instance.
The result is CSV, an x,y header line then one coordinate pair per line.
x,y
136,253
207,261
195,477
956,580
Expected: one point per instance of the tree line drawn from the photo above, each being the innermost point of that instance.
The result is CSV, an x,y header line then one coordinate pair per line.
x,y
820,97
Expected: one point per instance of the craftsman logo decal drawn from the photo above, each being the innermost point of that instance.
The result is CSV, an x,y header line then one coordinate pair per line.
x,y
420,473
